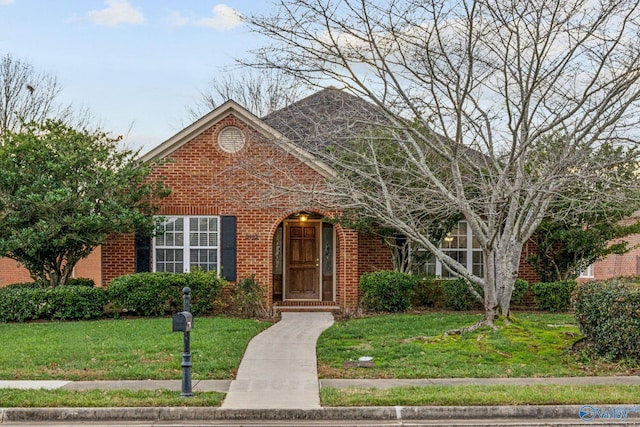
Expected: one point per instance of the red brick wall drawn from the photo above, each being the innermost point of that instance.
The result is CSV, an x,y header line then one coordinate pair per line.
x,y
257,185
526,271
89,267
11,272
620,265
373,255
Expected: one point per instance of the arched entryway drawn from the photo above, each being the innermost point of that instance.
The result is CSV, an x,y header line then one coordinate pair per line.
x,y
304,259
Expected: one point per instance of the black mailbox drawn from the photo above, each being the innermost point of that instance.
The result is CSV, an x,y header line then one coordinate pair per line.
x,y
182,322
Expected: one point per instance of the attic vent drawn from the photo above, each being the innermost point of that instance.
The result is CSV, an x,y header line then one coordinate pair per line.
x,y
231,139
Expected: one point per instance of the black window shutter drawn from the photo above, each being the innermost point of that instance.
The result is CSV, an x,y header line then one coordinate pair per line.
x,y
143,253
228,247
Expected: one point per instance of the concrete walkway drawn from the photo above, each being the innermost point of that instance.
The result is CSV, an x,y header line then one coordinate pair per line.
x,y
279,369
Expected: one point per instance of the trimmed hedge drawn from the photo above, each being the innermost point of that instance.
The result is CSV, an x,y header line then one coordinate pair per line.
x,y
389,291
157,294
608,313
553,296
520,288
428,292
457,295
21,303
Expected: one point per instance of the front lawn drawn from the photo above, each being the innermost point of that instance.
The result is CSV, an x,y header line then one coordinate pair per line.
x,y
535,345
547,394
123,349
12,398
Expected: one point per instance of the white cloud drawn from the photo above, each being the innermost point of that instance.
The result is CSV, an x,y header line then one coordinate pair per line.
x,y
6,2
224,18
117,12
175,19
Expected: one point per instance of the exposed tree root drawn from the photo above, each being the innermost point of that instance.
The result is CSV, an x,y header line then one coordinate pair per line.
x,y
422,338
478,325
459,331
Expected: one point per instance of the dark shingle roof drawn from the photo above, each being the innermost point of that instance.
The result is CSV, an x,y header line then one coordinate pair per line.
x,y
335,118
327,117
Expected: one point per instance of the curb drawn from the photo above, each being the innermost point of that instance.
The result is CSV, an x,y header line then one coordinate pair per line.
x,y
337,413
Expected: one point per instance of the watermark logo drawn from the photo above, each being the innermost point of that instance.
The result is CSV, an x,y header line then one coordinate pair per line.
x,y
620,413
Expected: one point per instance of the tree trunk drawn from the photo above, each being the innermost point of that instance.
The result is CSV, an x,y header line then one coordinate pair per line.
x,y
507,264
490,297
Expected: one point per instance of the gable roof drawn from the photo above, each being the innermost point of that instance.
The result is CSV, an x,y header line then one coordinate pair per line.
x,y
231,107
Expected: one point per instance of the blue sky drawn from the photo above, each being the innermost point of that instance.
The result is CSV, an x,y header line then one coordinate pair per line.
x,y
136,64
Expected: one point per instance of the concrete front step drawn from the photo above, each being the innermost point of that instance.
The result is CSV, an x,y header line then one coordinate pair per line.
x,y
306,306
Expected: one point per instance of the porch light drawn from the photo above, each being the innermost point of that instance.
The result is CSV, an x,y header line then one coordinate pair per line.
x,y
448,238
303,218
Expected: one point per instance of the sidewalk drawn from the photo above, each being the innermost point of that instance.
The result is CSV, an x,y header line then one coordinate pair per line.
x,y
225,385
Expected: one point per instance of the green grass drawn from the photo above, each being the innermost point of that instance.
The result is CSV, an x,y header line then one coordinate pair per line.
x,y
122,349
535,345
482,395
12,398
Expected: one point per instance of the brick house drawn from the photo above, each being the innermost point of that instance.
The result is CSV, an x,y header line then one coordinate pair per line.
x,y
234,208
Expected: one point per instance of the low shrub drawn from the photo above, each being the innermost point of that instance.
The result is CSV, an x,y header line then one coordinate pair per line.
x,y
553,296
428,292
389,291
246,298
21,303
25,285
457,295
519,290
158,294
608,314
81,281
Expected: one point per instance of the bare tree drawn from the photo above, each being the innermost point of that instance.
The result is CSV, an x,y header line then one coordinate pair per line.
x,y
27,95
496,111
260,91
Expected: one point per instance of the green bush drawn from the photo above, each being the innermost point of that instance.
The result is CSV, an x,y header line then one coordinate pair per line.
x,y
246,298
158,294
21,303
553,296
428,292
519,289
25,285
81,281
457,295
390,291
608,314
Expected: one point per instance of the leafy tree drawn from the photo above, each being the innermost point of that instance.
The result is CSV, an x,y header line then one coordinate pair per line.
x,y
63,191
571,238
487,81
563,250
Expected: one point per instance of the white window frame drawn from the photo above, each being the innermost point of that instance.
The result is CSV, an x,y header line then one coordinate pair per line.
x,y
186,242
587,273
469,250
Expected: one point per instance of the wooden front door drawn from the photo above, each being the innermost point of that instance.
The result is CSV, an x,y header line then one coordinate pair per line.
x,y
303,260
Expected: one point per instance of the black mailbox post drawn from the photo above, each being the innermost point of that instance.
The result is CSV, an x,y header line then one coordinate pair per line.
x,y
183,322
